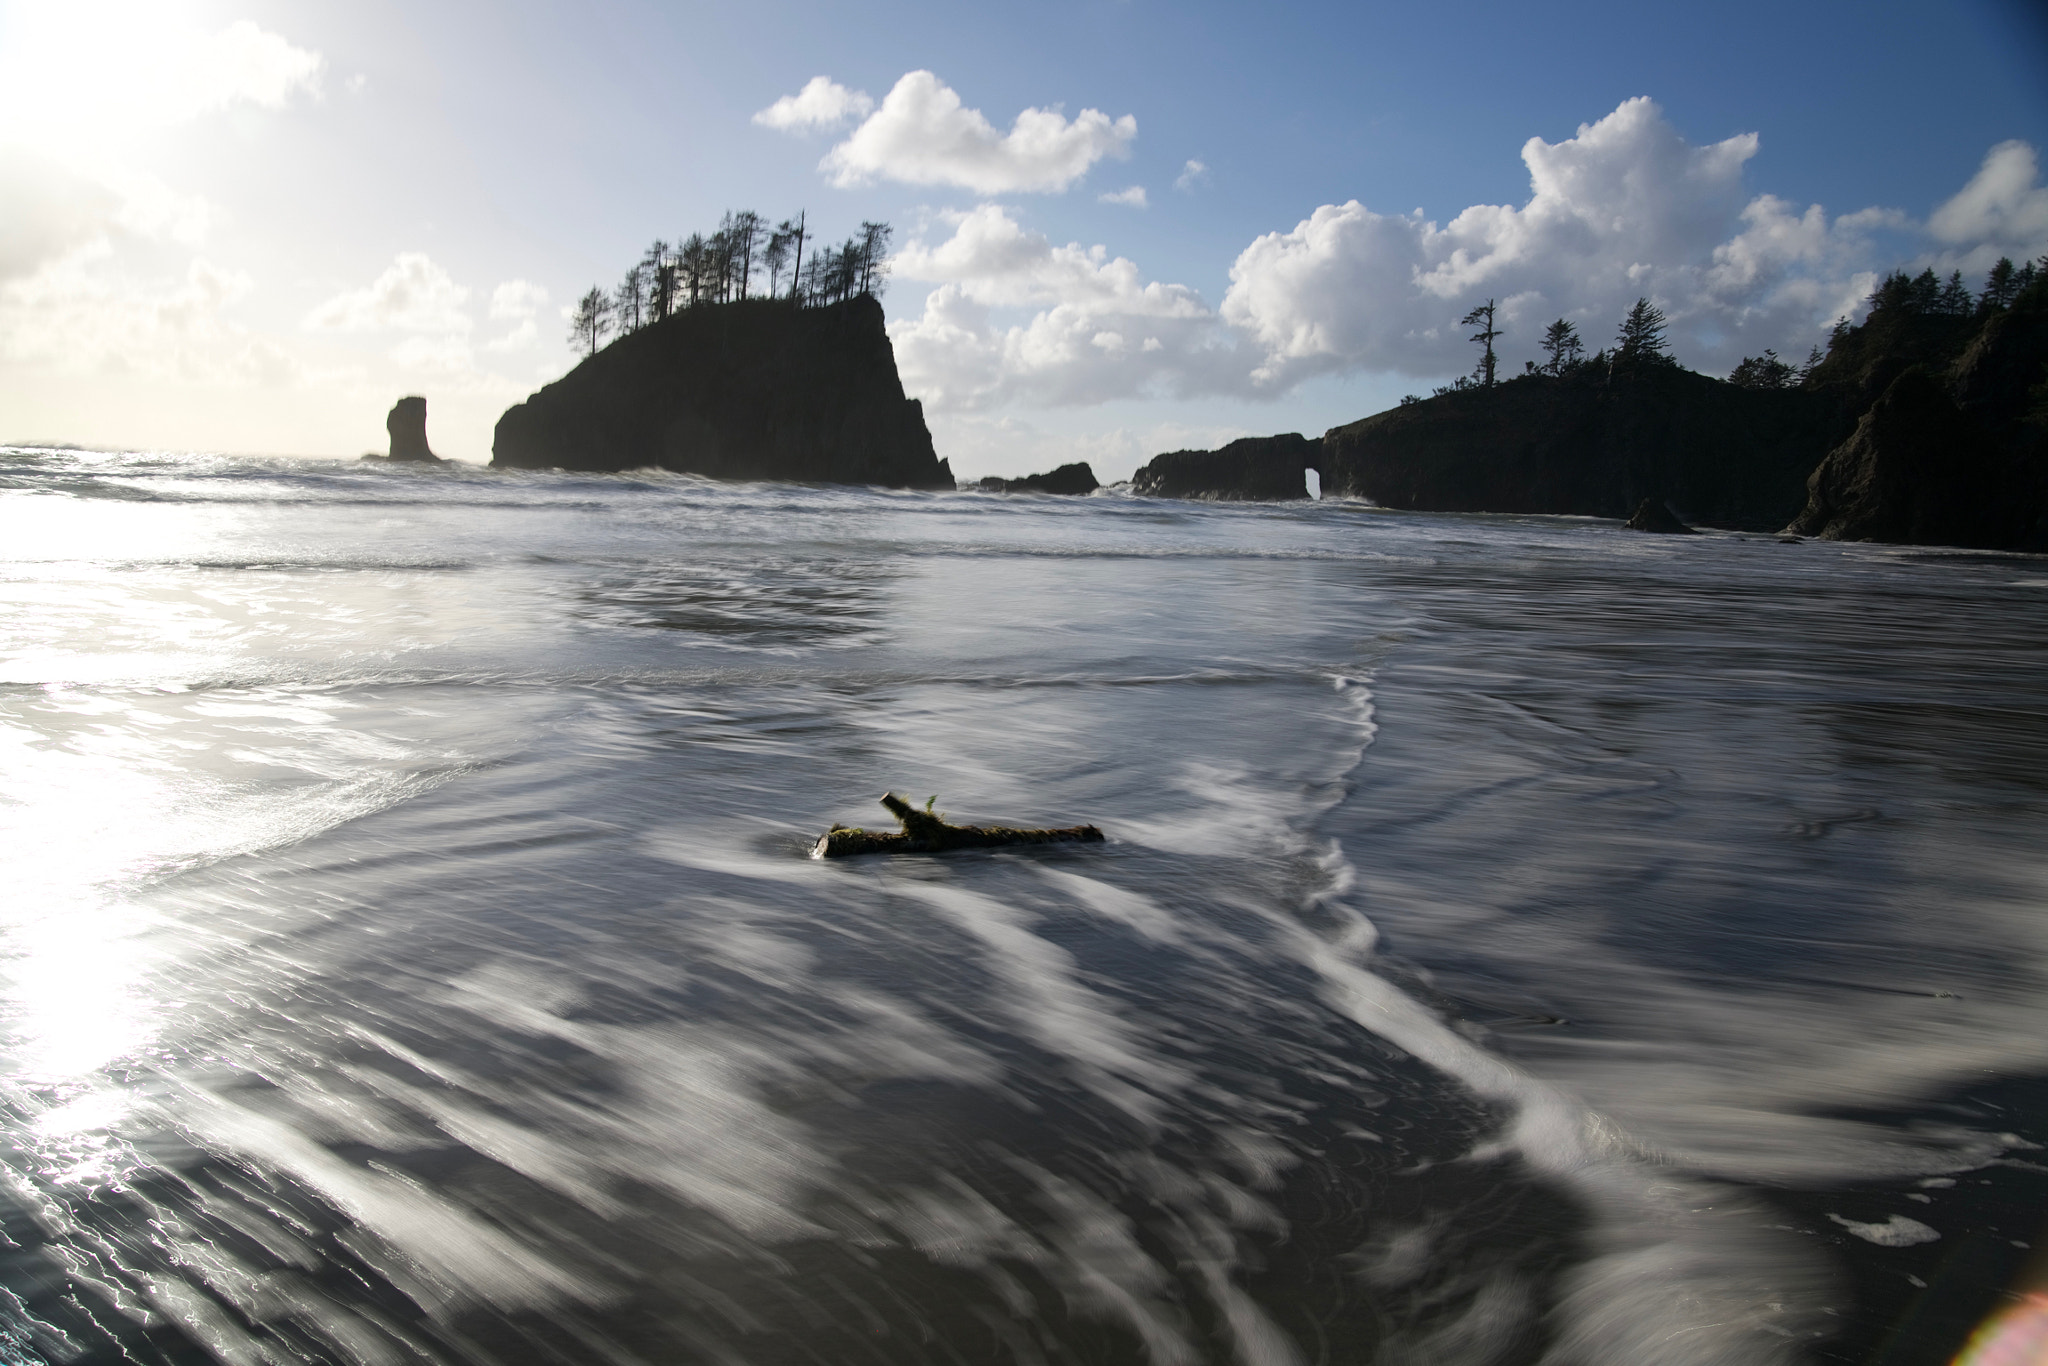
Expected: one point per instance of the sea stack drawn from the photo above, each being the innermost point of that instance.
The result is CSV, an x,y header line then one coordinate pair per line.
x,y
758,389
407,425
1072,480
1253,469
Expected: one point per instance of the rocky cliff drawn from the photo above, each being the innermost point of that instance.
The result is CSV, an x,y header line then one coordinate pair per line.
x,y
1594,444
1252,469
1954,448
753,390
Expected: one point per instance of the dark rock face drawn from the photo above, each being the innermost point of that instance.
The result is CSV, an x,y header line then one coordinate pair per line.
x,y
1917,471
1954,450
1652,515
1075,479
1265,469
1594,446
755,390
407,424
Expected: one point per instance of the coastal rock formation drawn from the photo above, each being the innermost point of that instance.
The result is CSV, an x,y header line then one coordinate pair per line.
x,y
1653,515
753,390
1593,444
1074,479
1917,471
407,426
1251,469
1954,449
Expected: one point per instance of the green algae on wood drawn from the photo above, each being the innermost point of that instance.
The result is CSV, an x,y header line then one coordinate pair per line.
x,y
925,833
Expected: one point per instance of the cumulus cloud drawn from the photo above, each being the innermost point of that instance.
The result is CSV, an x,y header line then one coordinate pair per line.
x,y
1624,209
80,313
1096,329
1193,174
46,211
518,302
2004,208
412,295
822,103
1133,198
923,135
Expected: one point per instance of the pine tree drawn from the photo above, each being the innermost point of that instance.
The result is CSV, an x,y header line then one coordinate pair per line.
x,y
1561,343
874,256
1999,287
1482,318
1640,340
629,301
1955,296
1762,372
590,321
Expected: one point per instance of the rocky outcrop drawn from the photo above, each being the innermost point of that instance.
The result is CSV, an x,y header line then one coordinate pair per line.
x,y
1593,444
1655,516
752,390
406,424
1074,479
1954,451
1917,471
1263,469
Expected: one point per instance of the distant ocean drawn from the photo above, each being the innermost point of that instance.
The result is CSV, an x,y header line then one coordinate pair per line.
x,y
1518,940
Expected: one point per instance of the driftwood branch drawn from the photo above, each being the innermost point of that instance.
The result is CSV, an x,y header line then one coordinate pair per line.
x,y
924,833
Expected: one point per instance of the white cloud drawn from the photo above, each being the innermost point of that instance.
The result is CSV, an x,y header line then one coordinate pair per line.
x,y
412,295
2003,210
517,299
1133,198
81,79
923,135
46,211
80,313
1624,209
518,302
1096,329
435,355
822,103
1193,174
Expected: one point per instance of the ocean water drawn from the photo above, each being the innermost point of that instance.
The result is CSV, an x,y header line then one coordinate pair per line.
x,y
1517,941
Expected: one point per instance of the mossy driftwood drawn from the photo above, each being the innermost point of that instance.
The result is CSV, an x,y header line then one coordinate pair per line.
x,y
925,833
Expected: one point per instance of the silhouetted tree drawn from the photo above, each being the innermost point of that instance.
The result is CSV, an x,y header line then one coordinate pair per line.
x,y
1561,343
1955,296
1762,372
874,256
629,301
2000,286
743,233
661,280
1482,318
1814,358
774,256
795,233
590,321
1640,341
694,260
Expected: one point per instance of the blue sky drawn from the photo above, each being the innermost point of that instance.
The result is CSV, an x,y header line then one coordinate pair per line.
x,y
250,226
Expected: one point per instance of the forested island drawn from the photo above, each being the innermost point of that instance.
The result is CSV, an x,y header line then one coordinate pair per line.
x,y
1927,423
702,375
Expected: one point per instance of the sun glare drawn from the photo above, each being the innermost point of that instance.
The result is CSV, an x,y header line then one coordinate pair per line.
x,y
96,81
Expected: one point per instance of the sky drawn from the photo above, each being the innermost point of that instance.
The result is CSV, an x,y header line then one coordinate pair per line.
x,y
1121,227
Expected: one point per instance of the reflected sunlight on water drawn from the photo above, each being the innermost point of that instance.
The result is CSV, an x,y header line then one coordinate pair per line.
x,y
1517,941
